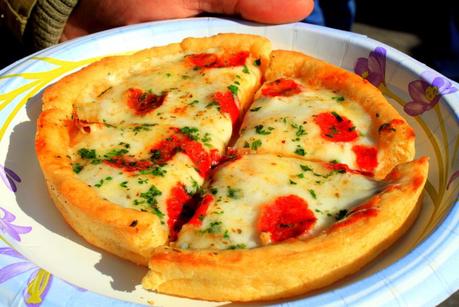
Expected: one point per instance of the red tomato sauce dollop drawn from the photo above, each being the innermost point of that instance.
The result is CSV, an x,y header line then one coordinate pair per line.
x,y
211,60
165,150
335,128
281,87
142,102
366,157
287,217
175,203
199,214
227,104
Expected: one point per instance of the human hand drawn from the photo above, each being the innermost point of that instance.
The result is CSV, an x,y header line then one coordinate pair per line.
x,y
91,16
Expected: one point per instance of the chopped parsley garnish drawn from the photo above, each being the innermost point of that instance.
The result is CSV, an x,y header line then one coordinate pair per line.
x,y
255,145
257,62
337,116
234,193
213,104
142,180
194,188
338,98
155,171
300,151
246,144
193,102
143,127
291,181
150,197
125,145
237,246
77,167
313,193
341,214
115,153
245,69
191,132
102,181
213,191
87,153
214,227
123,184
300,131
155,154
206,139
259,129
233,88
332,132
305,168
226,235
255,109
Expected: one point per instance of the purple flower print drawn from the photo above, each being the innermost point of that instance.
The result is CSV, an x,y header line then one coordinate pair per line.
x,y
16,268
374,68
9,177
38,283
6,225
426,93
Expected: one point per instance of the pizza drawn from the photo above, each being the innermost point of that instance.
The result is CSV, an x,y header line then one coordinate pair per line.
x,y
217,162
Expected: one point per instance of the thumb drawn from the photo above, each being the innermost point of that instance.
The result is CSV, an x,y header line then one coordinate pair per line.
x,y
267,11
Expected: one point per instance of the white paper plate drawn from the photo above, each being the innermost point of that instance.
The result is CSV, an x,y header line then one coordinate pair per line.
x,y
422,268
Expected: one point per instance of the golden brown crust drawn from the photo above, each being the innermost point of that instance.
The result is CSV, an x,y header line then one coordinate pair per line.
x,y
395,138
294,266
128,233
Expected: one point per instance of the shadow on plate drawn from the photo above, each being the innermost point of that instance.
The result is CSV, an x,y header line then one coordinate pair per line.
x,y
33,199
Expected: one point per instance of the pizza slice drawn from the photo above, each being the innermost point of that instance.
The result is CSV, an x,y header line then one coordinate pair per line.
x,y
270,227
315,111
126,142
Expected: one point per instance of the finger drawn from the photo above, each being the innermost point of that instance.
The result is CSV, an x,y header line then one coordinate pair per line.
x,y
267,11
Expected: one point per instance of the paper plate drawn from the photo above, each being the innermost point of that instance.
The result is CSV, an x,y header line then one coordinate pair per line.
x,y
43,262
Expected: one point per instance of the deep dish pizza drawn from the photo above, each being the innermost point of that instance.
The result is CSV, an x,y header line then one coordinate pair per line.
x,y
220,163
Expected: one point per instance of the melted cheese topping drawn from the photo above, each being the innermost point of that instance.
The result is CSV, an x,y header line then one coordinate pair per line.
x,y
110,128
285,126
241,188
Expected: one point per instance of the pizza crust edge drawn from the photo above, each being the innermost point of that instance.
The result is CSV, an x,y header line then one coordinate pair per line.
x,y
293,267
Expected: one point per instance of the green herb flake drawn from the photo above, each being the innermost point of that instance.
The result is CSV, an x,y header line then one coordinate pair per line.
x,y
291,181
214,227
259,129
213,191
255,144
337,116
150,195
193,102
255,109
257,62
300,151
313,193
193,189
115,153
234,193
87,153
245,69
338,98
341,214
77,167
123,184
237,246
234,89
191,132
